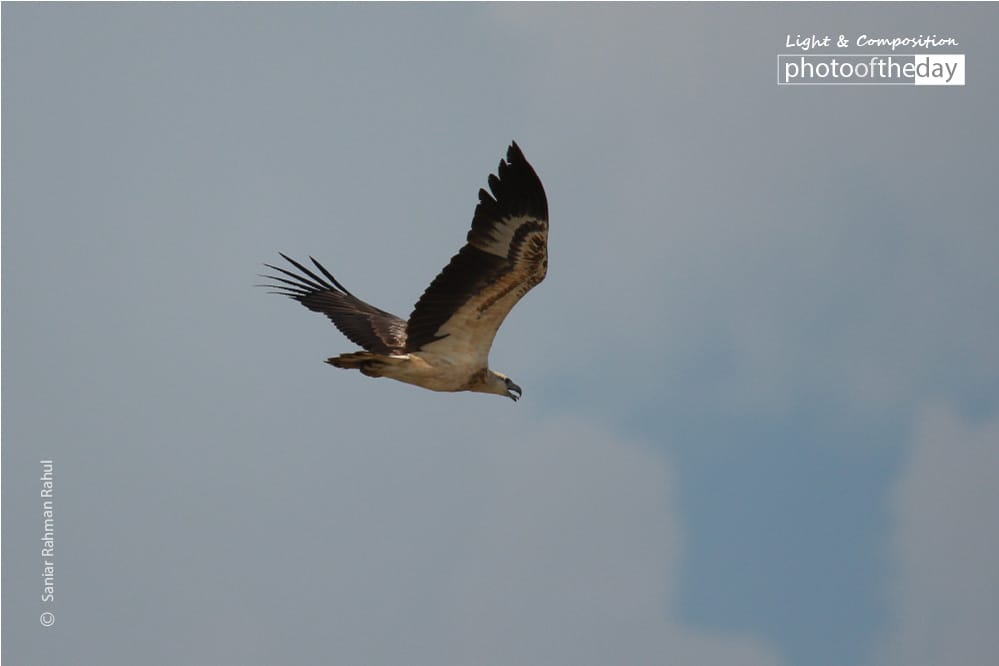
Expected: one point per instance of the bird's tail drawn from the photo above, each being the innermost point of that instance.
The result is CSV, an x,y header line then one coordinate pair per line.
x,y
368,363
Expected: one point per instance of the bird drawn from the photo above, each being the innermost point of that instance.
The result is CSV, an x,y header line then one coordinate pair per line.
x,y
445,343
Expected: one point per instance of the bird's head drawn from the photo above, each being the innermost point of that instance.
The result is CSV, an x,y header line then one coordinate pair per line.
x,y
500,384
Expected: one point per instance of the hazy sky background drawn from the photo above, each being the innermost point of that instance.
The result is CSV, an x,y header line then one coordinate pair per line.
x,y
760,421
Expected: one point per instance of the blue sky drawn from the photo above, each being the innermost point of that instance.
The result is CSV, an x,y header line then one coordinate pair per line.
x,y
760,421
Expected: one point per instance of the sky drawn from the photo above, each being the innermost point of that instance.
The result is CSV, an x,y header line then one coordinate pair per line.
x,y
760,422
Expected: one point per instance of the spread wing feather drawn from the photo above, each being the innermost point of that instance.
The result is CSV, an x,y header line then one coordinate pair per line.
x,y
505,256
373,329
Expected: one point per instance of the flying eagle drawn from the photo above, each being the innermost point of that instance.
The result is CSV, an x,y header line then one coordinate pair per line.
x,y
445,344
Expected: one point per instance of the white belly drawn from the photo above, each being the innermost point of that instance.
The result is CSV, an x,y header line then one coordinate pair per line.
x,y
430,373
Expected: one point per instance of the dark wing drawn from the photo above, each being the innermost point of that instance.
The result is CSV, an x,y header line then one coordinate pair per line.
x,y
506,255
373,329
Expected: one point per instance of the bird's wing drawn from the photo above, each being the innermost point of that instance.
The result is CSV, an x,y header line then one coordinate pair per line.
x,y
373,329
505,256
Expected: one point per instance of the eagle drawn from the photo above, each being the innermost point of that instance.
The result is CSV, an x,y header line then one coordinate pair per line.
x,y
444,345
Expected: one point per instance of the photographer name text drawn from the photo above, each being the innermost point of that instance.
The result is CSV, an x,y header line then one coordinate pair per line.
x,y
46,493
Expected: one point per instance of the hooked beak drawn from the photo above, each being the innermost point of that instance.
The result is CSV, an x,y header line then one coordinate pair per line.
x,y
513,391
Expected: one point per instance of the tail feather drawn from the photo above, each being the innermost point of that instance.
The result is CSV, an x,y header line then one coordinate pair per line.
x,y
368,363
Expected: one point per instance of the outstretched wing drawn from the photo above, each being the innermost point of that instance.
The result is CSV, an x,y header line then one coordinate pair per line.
x,y
506,255
373,329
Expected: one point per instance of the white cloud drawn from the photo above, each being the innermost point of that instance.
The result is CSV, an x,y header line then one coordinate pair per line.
x,y
551,544
946,545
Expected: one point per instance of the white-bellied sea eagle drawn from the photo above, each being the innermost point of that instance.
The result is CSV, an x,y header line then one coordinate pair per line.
x,y
445,344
